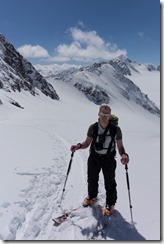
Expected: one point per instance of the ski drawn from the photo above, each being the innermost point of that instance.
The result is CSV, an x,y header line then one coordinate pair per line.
x,y
95,206
62,218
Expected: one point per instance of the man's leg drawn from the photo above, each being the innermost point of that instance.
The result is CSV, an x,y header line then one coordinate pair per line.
x,y
94,168
108,168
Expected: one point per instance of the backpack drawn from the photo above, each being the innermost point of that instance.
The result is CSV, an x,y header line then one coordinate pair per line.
x,y
114,119
113,123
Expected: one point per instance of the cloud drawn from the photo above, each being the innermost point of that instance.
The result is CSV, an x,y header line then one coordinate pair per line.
x,y
29,51
87,46
80,23
140,34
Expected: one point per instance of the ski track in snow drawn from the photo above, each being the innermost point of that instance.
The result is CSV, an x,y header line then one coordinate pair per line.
x,y
31,218
41,200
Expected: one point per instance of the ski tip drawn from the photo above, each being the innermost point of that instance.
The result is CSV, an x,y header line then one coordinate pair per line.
x,y
55,223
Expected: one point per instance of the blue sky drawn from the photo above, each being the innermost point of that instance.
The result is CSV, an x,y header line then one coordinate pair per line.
x,y
82,32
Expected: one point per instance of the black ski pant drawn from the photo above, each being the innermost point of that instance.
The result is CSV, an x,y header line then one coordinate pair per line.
x,y
108,165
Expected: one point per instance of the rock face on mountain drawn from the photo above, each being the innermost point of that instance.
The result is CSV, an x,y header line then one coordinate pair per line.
x,y
95,94
158,68
17,74
122,65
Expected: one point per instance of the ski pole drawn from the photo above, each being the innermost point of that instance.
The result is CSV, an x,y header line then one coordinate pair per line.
x,y
69,167
128,186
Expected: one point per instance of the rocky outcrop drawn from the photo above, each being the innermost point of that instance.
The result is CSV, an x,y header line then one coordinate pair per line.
x,y
18,74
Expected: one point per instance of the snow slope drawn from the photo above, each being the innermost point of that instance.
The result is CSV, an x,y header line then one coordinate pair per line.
x,y
35,153
147,82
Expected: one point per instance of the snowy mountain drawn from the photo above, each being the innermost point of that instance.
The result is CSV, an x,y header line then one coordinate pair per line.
x,y
103,82
100,82
125,66
17,74
35,154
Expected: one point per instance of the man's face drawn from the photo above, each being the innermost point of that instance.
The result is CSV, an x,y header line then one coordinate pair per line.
x,y
104,114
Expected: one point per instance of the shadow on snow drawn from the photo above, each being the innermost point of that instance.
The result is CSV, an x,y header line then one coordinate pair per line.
x,y
112,227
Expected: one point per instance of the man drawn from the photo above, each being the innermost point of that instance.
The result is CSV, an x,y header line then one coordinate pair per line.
x,y
103,138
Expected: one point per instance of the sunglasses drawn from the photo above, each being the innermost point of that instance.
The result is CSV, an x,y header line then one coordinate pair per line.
x,y
104,115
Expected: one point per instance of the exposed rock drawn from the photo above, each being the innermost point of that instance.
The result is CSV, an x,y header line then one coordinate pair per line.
x,y
18,74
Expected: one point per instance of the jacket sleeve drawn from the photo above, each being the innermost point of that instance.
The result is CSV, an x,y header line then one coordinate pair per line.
x,y
90,131
118,133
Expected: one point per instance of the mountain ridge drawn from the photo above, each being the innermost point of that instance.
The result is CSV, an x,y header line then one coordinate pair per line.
x,y
19,74
101,82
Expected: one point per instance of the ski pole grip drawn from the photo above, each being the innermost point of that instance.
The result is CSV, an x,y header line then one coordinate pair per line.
x,y
126,166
